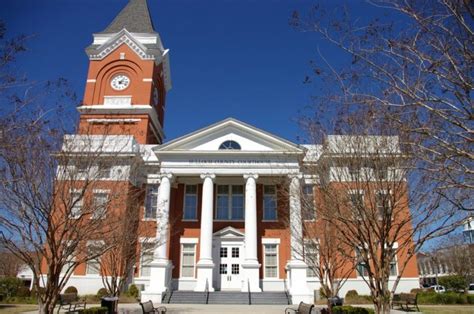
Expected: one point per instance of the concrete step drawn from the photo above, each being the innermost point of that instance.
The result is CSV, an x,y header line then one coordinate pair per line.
x,y
228,297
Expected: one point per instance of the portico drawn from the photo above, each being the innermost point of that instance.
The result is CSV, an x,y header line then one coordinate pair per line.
x,y
227,161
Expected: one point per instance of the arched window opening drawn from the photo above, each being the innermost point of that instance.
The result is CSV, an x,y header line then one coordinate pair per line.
x,y
230,145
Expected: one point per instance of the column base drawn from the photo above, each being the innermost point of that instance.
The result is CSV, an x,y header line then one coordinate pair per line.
x,y
298,289
160,280
205,271
251,270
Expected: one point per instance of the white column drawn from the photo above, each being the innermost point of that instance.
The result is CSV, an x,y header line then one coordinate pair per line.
x,y
299,289
160,267
251,265
205,266
162,218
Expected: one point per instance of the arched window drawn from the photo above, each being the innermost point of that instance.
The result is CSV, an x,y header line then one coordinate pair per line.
x,y
229,145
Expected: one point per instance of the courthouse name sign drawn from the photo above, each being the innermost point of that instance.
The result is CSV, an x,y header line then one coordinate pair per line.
x,y
229,161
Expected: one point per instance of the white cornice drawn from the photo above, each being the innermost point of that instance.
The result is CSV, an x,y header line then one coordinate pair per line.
x,y
121,109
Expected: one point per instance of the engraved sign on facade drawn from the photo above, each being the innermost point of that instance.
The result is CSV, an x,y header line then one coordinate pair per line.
x,y
117,100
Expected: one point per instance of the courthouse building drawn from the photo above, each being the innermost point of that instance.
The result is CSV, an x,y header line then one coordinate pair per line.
x,y
216,187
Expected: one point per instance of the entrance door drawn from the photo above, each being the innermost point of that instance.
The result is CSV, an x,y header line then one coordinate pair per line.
x,y
229,267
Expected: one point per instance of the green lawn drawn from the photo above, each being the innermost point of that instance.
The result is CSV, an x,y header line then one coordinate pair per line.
x,y
17,308
447,309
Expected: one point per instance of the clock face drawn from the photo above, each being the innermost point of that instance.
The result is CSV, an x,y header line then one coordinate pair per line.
x,y
120,82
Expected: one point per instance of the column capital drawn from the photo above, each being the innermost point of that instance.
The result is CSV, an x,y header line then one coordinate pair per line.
x,y
167,175
250,175
298,176
211,176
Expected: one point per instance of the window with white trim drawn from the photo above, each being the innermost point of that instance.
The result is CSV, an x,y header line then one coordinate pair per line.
x,y
311,256
356,199
361,265
69,264
393,264
188,260
269,202
146,257
93,265
309,208
230,202
151,204
383,204
76,204
104,171
190,203
271,260
101,200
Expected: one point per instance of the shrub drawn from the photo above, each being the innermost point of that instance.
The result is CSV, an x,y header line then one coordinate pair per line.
x,y
416,290
470,298
351,294
444,298
96,310
133,291
71,289
453,282
347,309
102,293
23,292
9,286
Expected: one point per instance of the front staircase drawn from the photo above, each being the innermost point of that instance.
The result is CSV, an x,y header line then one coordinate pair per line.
x,y
226,297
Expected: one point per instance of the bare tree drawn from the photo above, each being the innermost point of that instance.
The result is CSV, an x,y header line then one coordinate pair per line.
x,y
319,246
10,265
456,256
414,60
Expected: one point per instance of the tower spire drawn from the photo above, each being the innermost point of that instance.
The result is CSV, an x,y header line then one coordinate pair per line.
x,y
134,17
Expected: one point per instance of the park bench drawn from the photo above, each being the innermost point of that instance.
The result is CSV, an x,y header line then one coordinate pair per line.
x,y
147,307
303,308
71,302
405,301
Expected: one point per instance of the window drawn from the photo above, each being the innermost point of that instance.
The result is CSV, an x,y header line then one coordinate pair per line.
x,y
230,145
381,173
230,202
269,202
223,269
93,265
104,171
235,269
354,172
146,257
190,203
223,252
100,205
82,169
309,208
76,205
68,250
361,265
188,260
311,257
393,265
151,205
357,204
271,260
235,252
382,204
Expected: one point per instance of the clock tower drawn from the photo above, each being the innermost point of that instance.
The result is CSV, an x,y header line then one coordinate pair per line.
x,y
128,78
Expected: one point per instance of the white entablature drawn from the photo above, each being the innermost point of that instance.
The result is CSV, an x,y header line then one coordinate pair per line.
x,y
201,151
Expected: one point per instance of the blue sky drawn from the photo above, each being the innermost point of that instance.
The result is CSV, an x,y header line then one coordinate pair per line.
x,y
236,59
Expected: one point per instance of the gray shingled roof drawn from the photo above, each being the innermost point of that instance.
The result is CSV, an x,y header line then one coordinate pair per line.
x,y
135,18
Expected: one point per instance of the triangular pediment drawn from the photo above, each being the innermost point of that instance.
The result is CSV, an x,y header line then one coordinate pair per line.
x,y
229,233
249,138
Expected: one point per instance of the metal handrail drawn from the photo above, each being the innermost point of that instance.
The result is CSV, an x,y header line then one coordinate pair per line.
x,y
206,291
248,288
